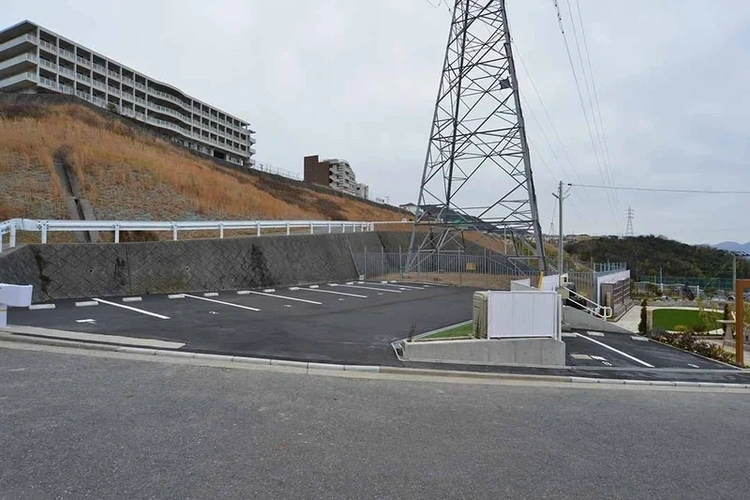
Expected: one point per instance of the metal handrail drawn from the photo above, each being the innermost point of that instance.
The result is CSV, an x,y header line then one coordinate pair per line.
x,y
12,226
594,308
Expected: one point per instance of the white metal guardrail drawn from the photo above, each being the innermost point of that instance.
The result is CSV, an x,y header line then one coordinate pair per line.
x,y
13,226
601,312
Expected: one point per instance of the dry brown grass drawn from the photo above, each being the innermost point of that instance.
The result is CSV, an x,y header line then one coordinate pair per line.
x,y
127,173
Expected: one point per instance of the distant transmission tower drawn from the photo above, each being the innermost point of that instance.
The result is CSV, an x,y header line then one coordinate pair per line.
x,y
629,227
477,173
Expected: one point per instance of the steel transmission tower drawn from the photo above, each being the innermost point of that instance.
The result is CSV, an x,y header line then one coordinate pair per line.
x,y
477,173
629,227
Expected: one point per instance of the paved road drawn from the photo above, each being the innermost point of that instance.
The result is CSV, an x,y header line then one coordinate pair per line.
x,y
79,427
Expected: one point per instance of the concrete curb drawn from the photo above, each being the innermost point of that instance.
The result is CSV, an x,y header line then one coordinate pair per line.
x,y
322,368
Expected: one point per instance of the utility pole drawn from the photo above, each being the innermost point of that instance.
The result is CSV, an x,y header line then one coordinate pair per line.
x,y
560,197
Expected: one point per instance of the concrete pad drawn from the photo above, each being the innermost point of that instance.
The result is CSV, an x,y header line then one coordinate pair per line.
x,y
40,307
87,303
132,299
176,296
211,294
521,351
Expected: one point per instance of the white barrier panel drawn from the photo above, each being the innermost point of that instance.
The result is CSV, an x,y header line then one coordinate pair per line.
x,y
14,296
550,283
523,314
521,285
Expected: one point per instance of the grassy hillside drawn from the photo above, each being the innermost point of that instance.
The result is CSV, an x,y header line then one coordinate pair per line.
x,y
128,173
646,254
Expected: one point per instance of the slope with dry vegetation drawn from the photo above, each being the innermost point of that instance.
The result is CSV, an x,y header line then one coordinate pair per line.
x,y
128,173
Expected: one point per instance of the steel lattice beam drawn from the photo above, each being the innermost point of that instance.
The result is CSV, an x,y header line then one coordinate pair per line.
x,y
477,172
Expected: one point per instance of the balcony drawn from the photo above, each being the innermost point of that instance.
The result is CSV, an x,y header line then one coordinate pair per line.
x,y
83,78
51,47
83,61
101,69
13,64
127,80
66,71
48,64
113,90
99,85
83,95
140,86
19,81
67,54
20,44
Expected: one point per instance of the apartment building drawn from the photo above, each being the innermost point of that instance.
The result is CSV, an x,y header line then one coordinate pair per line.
x,y
34,59
336,174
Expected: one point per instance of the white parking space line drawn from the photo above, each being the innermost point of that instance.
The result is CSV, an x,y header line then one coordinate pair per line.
x,y
238,306
595,334
633,358
330,291
598,358
399,286
130,308
247,292
372,288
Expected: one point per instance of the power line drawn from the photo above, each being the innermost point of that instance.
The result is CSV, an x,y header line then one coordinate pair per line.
x,y
659,190
595,110
583,106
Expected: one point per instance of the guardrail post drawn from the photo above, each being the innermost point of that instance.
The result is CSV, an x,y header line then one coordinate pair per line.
x,y
12,235
221,230
311,228
1,242
45,226
257,228
174,232
330,228
287,229
117,233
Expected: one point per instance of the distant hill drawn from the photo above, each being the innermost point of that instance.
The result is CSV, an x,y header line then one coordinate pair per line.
x,y
733,246
646,254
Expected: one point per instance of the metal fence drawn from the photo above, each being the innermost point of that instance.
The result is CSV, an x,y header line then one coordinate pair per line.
x,y
13,226
492,270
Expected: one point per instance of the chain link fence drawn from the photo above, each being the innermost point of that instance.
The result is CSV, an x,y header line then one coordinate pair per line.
x,y
493,271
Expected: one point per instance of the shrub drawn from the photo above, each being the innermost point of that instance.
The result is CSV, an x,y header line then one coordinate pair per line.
x,y
687,342
643,325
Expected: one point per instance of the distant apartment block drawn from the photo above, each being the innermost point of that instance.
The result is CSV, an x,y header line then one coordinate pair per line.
x,y
336,174
33,59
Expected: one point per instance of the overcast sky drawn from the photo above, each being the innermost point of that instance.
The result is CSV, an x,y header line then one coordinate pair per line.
x,y
357,79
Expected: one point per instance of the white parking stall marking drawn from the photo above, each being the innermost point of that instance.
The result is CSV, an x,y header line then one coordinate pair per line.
x,y
40,307
407,287
372,288
633,358
692,365
130,308
247,292
92,321
595,334
639,338
598,358
329,291
238,306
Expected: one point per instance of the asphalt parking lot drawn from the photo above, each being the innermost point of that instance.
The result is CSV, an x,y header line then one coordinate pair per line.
x,y
348,322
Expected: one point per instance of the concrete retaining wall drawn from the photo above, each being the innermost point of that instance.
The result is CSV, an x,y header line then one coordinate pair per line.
x,y
525,351
60,271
